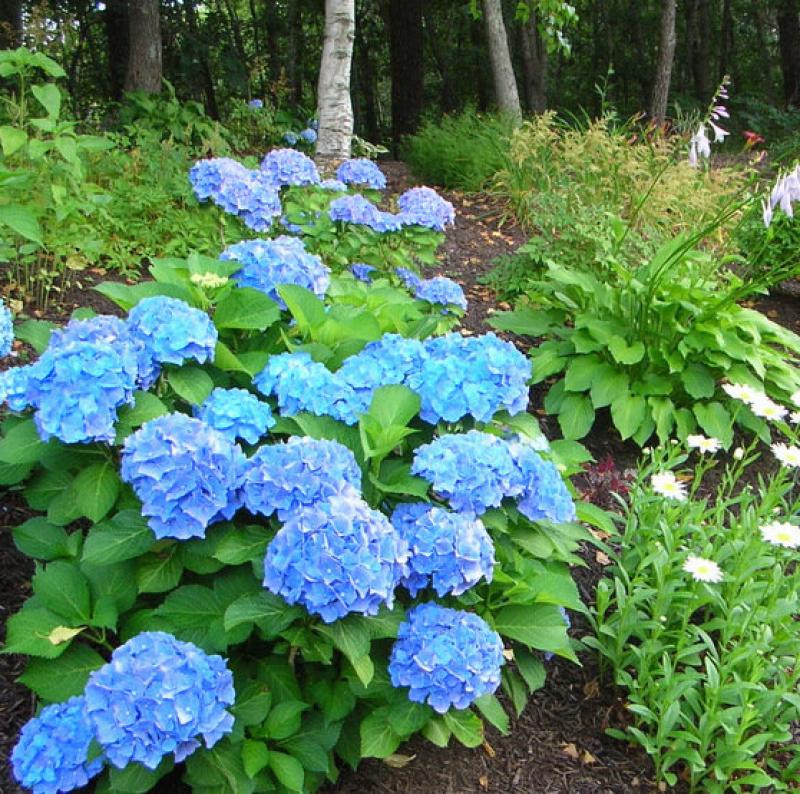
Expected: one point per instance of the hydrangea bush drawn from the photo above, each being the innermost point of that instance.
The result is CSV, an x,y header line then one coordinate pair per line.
x,y
271,522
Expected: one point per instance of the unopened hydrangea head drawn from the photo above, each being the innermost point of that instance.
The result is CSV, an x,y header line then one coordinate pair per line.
x,y
289,167
256,103
283,478
266,264
447,658
14,388
362,272
6,329
236,413
544,494
450,551
473,471
158,696
290,138
308,135
186,474
423,206
441,290
52,753
361,172
76,390
303,385
471,376
208,176
334,185
172,332
336,557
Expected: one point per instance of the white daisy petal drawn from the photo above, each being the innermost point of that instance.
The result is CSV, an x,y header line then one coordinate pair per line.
x,y
702,569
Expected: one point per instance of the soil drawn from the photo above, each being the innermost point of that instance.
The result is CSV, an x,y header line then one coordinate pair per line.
x,y
558,745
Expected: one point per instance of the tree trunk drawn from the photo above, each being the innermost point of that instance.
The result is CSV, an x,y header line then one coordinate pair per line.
x,y
447,95
144,56
789,41
116,27
666,54
406,50
294,59
505,84
10,24
365,72
334,105
534,59
201,51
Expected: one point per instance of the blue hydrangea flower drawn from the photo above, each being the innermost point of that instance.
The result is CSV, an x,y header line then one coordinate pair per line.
x,y
441,290
186,474
451,551
255,103
308,135
157,696
52,753
208,176
303,385
423,206
335,557
473,471
255,200
385,362
290,138
409,278
171,331
362,172
544,494
334,185
362,272
447,658
6,329
14,388
470,376
290,167
283,260
77,389
292,228
282,478
236,413
360,211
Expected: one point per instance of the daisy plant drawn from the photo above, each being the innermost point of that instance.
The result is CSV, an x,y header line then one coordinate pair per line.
x,y
696,620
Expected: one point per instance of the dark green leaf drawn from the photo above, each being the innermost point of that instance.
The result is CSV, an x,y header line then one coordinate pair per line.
x,y
56,680
96,489
246,308
40,539
124,537
191,383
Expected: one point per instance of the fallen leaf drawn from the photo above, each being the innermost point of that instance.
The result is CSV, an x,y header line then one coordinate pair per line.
x,y
601,558
588,758
571,750
592,688
483,781
398,760
488,749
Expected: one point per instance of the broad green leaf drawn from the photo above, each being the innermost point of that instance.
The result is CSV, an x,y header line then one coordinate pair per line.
x,y
29,632
284,719
12,139
45,487
228,361
530,668
352,637
304,306
137,779
191,383
465,726
246,308
378,738
243,544
268,611
625,353
158,572
255,756
253,702
36,333
715,421
394,405
123,537
489,706
607,384
524,321
288,770
575,416
581,372
40,539
22,444
407,717
699,381
628,413
146,406
539,626
96,489
196,613
55,680
22,221
437,732
62,588
49,96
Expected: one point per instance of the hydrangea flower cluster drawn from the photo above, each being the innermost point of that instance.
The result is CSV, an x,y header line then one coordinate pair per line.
x,y
304,385
283,260
441,290
208,176
76,390
283,478
308,135
286,167
473,471
52,753
155,697
171,332
236,413
362,272
335,557
423,206
255,103
185,473
14,388
334,185
255,199
409,278
544,494
470,376
361,172
450,551
290,138
360,211
446,657
6,329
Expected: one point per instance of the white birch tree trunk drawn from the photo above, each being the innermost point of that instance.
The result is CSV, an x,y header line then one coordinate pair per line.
x,y
334,106
505,84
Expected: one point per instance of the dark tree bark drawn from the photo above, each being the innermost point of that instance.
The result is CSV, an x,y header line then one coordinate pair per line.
x,y
789,42
666,55
406,51
534,61
117,45
201,52
481,75
144,54
294,50
10,24
447,95
365,79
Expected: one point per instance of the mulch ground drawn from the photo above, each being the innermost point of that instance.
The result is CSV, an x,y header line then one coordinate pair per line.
x,y
558,745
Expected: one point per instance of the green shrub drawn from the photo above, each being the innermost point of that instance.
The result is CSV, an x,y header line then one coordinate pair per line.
x,y
460,152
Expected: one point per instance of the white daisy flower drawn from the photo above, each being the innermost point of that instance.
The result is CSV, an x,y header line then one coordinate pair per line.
x,y
738,453
741,391
702,570
787,454
703,444
795,398
767,409
794,417
781,533
666,484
